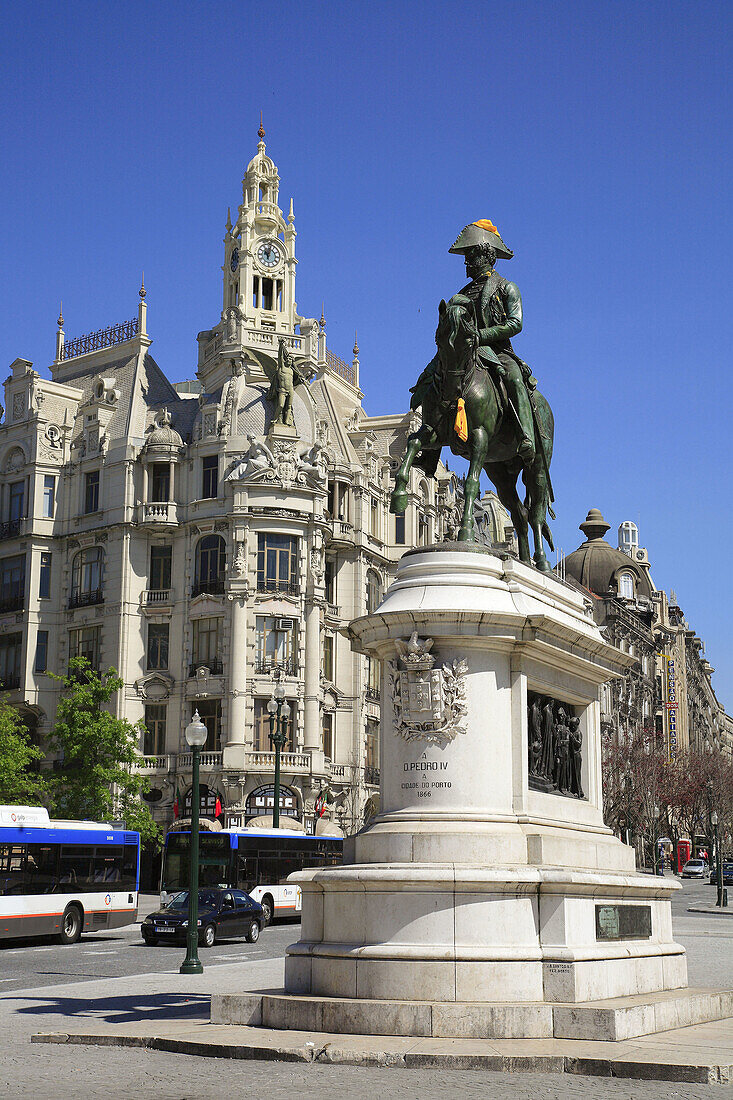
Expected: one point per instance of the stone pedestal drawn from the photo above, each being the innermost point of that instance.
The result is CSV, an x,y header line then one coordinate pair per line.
x,y
470,886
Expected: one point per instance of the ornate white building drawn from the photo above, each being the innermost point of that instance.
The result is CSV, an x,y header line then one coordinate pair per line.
x,y
178,535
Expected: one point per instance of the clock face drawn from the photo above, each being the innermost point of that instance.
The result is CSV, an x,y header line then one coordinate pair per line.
x,y
234,261
269,254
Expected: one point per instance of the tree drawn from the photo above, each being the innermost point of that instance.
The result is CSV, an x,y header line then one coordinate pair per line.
x,y
19,784
93,777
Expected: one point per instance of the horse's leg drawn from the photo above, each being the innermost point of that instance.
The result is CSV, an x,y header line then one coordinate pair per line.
x,y
505,480
538,501
424,437
478,442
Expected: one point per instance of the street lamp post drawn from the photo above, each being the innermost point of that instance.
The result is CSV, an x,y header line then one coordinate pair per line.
x,y
279,711
196,734
718,867
655,852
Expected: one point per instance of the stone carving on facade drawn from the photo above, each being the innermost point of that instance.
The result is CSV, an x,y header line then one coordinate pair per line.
x,y
230,399
18,406
554,746
429,703
239,565
279,463
233,317
14,462
317,564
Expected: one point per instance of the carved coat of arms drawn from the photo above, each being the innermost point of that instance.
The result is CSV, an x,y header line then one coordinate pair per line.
x,y
429,703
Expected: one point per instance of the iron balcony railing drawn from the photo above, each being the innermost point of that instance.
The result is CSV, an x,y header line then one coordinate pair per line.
x,y
373,694
12,602
269,664
102,338
10,682
210,588
275,584
371,776
213,664
11,528
87,598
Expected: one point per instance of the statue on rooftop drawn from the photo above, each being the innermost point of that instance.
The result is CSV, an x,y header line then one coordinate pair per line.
x,y
282,387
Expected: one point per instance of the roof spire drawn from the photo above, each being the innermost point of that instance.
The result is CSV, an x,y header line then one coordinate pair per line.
x,y
291,215
142,291
323,316
60,321
261,131
229,219
356,344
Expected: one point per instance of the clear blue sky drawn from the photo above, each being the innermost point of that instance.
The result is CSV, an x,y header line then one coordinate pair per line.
x,y
597,136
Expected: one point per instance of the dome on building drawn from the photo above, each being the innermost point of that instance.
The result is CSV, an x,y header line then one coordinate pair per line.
x,y
163,435
602,569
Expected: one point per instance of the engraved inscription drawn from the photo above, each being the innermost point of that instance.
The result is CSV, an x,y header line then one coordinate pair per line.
x,y
623,922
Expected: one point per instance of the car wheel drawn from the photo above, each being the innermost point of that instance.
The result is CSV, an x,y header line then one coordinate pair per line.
x,y
253,932
267,909
150,940
208,936
71,925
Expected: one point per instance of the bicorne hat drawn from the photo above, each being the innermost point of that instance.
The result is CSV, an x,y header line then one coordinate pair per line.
x,y
481,232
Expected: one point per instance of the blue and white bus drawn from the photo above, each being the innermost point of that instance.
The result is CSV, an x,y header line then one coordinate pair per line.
x,y
257,861
64,877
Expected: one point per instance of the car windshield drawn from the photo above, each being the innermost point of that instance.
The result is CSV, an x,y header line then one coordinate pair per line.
x,y
694,863
207,899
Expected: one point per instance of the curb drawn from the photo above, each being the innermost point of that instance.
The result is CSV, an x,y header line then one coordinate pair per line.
x,y
712,912
707,1074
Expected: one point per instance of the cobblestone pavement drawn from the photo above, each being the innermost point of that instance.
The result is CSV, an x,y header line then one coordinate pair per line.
x,y
58,987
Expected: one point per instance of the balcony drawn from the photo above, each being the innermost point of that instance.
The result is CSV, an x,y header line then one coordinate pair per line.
x,y
265,666
10,682
162,513
214,665
15,602
338,771
86,599
276,585
342,533
12,528
289,761
371,776
161,763
333,611
207,760
213,587
373,695
157,597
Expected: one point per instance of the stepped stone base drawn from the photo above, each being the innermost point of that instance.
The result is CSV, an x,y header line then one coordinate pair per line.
x,y
611,1020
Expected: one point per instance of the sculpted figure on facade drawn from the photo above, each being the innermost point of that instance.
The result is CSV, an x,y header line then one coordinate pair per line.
x,y
282,388
257,460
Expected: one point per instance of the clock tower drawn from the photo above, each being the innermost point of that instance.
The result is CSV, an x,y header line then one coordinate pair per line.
x,y
259,267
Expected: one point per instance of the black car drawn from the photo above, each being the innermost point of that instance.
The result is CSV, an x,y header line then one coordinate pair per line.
x,y
222,914
726,867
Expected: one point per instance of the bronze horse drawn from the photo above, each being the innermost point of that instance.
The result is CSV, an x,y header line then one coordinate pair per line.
x,y
458,371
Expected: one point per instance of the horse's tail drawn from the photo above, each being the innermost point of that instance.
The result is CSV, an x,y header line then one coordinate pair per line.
x,y
546,531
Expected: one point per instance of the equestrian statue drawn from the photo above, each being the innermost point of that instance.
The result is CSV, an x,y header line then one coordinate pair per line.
x,y
480,399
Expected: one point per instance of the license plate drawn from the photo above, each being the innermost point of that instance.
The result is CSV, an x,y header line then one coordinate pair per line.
x,y
162,928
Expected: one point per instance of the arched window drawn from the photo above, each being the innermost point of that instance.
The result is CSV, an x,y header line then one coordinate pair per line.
x,y
373,591
626,586
210,564
87,577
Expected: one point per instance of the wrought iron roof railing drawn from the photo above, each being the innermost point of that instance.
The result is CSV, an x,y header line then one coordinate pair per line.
x,y
102,338
340,367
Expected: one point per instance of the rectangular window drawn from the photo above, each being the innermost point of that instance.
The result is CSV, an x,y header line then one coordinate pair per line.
x,y
279,295
276,644
210,714
262,727
10,658
328,648
86,642
374,678
256,292
44,577
328,735
161,482
12,583
373,518
17,501
160,567
41,662
267,293
49,496
399,529
422,530
91,492
210,486
154,738
277,563
207,645
330,580
371,758
158,645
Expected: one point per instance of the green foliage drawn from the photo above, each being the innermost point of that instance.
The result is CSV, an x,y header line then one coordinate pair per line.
x,y
94,778
19,786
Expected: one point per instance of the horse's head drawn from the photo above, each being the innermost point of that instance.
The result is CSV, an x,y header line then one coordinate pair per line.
x,y
456,335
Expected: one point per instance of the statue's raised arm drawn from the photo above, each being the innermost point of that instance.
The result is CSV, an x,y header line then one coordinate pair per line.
x,y
480,399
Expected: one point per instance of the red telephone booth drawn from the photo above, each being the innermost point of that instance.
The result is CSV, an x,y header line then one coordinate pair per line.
x,y
684,850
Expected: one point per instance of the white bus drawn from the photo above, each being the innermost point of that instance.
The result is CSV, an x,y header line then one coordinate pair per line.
x,y
64,877
257,861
